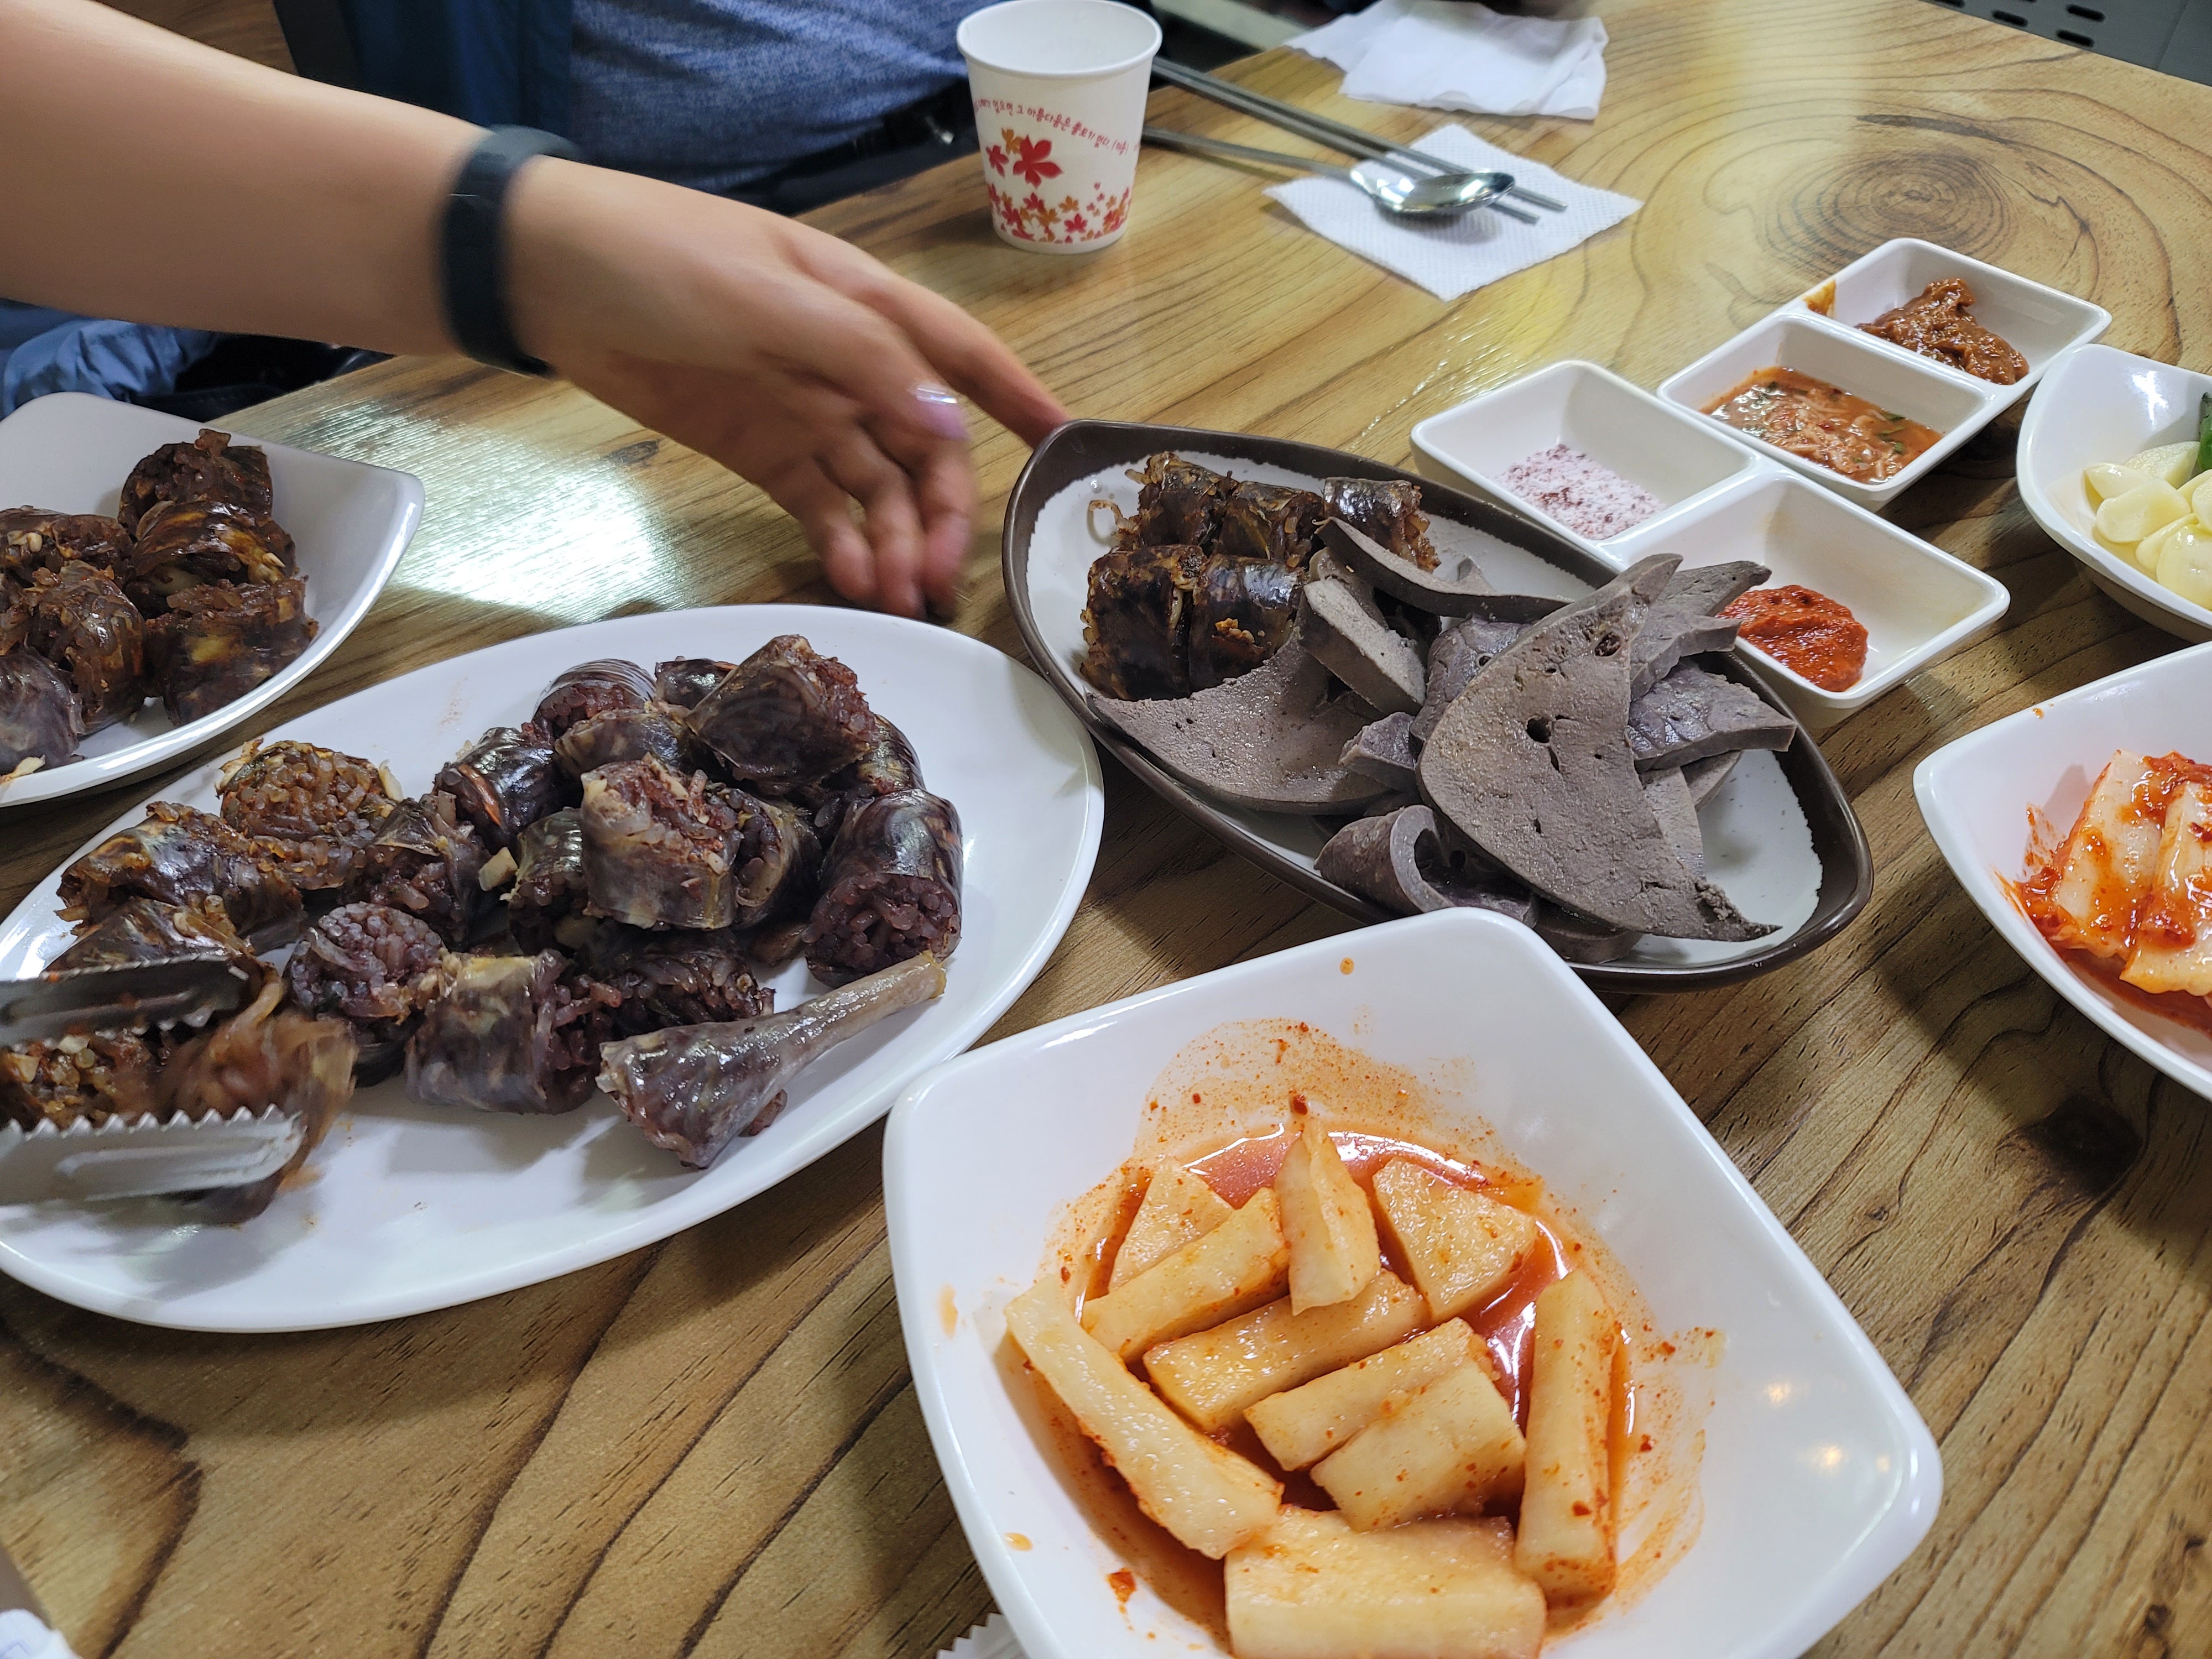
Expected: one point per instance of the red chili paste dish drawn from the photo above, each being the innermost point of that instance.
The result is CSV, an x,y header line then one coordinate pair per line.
x,y
2127,894
1808,632
1824,424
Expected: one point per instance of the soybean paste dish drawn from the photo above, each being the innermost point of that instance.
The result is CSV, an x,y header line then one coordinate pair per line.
x,y
592,896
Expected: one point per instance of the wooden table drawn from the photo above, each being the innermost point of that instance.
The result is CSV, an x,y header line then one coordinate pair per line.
x,y
712,1446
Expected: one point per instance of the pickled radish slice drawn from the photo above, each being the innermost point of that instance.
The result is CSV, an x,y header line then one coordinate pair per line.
x,y
2131,517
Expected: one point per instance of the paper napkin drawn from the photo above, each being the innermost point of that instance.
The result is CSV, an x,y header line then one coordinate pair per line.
x,y
1455,54
1452,256
991,1639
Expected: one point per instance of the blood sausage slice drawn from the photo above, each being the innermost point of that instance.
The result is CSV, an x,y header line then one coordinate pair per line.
x,y
1383,750
1399,861
1532,764
1343,629
1269,739
1449,590
1455,656
1687,619
1691,714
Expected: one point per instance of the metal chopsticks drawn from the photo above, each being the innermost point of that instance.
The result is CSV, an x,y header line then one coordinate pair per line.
x,y
1321,130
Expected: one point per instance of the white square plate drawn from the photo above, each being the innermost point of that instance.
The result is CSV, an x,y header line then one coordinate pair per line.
x,y
1954,404
1918,603
2038,322
351,522
1677,456
2105,405
1818,1479
1974,794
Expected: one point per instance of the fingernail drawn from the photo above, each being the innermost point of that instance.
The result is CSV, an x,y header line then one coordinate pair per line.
x,y
940,411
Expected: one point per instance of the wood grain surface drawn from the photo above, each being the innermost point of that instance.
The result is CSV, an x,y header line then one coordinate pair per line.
x,y
713,1447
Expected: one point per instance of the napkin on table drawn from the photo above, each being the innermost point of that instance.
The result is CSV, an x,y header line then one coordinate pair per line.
x,y
1452,256
1455,54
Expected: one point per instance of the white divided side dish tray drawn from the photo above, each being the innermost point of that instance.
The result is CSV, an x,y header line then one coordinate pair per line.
x,y
1723,501
1975,793
350,522
1818,1477
1826,341
407,1207
1681,459
2100,405
1918,603
1955,405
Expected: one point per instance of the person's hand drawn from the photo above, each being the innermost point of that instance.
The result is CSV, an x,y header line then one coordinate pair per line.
x,y
791,357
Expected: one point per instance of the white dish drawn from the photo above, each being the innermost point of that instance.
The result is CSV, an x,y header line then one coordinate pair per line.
x,y
1955,405
2100,405
1918,603
1974,794
410,1207
1678,456
1818,1477
2040,323
351,522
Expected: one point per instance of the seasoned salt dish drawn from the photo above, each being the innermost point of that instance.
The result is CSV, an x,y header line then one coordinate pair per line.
x,y
1401,1399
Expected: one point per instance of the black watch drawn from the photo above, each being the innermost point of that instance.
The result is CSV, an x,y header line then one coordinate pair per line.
x,y
473,255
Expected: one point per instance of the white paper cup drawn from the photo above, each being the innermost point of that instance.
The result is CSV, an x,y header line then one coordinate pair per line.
x,y
1059,89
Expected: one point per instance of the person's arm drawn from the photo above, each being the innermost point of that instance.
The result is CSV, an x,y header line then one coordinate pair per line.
x,y
151,179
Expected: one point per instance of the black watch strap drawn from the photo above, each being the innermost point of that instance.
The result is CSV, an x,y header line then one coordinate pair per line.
x,y
473,252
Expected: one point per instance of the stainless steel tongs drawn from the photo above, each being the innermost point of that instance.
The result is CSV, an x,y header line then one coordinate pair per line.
x,y
145,1155
1335,134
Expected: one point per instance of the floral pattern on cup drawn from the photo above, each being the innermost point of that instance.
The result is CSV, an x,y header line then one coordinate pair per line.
x,y
1032,216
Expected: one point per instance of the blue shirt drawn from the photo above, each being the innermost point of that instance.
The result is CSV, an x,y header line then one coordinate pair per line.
x,y
718,92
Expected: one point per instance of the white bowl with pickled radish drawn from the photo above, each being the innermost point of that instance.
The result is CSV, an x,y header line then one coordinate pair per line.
x,y
2098,406
1455,1049
1976,795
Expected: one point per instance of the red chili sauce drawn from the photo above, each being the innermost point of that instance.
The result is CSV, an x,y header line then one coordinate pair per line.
x,y
1826,424
1808,632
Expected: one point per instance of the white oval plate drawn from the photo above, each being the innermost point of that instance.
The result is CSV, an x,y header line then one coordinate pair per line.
x,y
71,452
410,1207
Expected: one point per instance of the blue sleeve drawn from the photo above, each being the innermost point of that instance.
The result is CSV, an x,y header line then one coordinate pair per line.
x,y
107,359
497,62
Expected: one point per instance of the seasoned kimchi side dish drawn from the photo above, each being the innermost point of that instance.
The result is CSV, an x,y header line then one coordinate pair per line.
x,y
191,594
2126,893
588,896
1338,1378
1300,651
1824,424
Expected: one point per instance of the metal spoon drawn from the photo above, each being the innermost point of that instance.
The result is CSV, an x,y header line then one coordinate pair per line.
x,y
1396,191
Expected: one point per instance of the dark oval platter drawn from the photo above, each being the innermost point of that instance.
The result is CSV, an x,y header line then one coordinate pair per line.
x,y
1047,554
